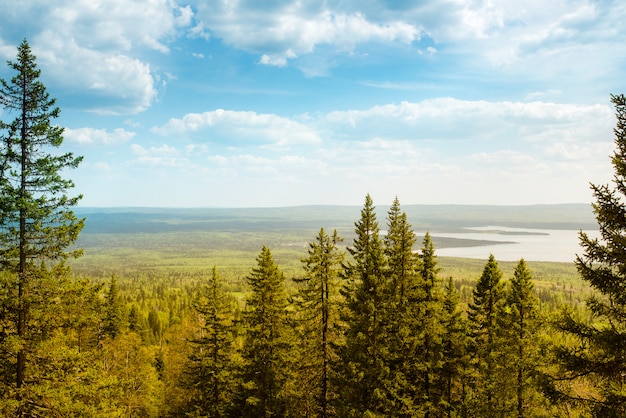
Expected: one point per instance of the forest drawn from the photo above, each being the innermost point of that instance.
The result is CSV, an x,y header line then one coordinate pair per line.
x,y
372,326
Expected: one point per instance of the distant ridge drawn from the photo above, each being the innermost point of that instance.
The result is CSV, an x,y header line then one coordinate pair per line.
x,y
435,218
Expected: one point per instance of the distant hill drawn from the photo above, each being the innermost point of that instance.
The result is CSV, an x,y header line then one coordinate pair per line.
x,y
435,218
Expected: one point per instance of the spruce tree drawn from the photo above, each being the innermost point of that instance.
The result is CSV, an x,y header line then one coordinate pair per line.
x,y
364,377
113,311
267,342
427,314
318,308
402,261
403,285
37,225
600,351
455,357
485,318
210,367
522,326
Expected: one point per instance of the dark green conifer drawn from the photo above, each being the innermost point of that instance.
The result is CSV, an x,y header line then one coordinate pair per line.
x,y
37,225
455,358
522,325
428,332
403,287
600,351
211,366
318,307
364,377
485,318
113,311
267,342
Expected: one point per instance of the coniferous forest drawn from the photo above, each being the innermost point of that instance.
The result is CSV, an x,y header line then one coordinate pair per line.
x,y
366,328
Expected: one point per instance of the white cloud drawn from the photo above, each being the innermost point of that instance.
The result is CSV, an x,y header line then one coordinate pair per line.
x,y
240,127
545,39
461,120
158,157
117,83
284,33
88,136
163,150
116,25
91,48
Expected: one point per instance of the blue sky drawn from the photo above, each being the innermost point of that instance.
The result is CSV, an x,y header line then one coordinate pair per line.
x,y
278,103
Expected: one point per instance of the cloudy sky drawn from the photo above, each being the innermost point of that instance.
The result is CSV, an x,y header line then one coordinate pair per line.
x,y
276,103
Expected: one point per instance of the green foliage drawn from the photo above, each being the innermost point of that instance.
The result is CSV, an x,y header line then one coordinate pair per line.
x,y
318,326
267,342
36,223
486,314
522,326
601,344
454,374
364,358
114,315
210,370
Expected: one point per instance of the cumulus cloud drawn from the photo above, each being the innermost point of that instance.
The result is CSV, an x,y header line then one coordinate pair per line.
x,y
93,48
285,32
162,156
240,127
117,83
454,119
89,136
537,37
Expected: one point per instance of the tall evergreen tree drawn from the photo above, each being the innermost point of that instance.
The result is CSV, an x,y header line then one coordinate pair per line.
x,y
601,349
455,360
429,332
365,373
267,342
402,261
113,311
211,367
485,317
403,286
318,303
522,325
36,223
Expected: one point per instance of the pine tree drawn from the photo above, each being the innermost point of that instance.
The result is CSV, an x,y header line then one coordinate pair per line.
x,y
485,317
211,368
36,223
365,374
267,342
317,303
601,349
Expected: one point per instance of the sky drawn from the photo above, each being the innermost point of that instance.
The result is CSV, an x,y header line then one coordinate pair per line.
x,y
263,103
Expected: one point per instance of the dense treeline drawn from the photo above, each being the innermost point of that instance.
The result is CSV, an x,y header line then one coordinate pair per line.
x,y
368,328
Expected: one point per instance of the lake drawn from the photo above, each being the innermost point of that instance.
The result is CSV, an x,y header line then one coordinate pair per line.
x,y
530,244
